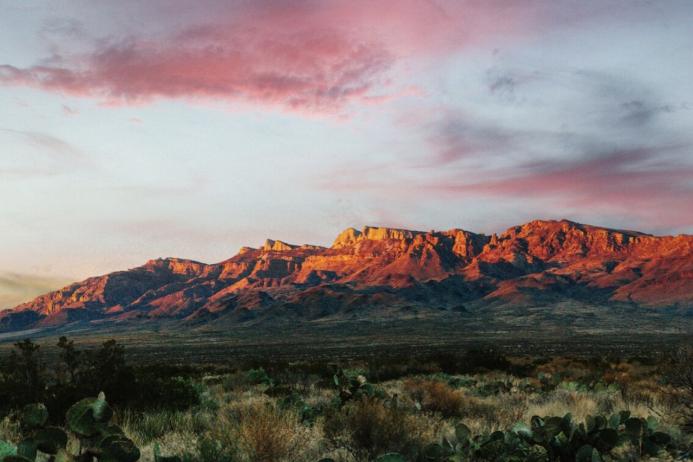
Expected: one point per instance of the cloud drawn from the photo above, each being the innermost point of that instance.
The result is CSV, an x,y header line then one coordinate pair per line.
x,y
640,183
503,83
639,113
454,137
48,155
47,143
623,163
592,144
552,113
647,187
304,56
259,58
310,70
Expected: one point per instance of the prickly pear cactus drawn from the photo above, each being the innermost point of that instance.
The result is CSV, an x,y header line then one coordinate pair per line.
x,y
7,449
391,457
34,416
38,437
89,416
16,458
551,438
117,448
88,420
587,453
50,440
352,387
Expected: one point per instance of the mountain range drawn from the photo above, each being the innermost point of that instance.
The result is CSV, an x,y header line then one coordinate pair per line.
x,y
380,273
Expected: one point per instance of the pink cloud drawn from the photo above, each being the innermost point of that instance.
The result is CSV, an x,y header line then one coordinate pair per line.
x,y
301,71
623,182
637,185
314,56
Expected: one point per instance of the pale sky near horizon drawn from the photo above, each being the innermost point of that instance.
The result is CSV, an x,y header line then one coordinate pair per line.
x,y
136,130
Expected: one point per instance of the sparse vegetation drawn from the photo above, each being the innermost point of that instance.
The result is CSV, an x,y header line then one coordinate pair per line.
x,y
450,408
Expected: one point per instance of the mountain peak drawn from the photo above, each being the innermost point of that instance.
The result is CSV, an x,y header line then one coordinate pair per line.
x,y
271,245
174,265
566,225
346,238
245,249
351,236
377,233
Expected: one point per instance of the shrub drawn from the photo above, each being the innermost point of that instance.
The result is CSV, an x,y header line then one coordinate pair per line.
x,y
681,378
473,360
480,359
259,376
23,376
270,434
435,396
234,381
370,427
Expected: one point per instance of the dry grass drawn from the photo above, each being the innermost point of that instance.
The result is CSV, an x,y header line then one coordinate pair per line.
x,y
147,427
9,430
269,434
481,414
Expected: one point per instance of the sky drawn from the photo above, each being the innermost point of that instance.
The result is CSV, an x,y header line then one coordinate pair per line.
x,y
134,130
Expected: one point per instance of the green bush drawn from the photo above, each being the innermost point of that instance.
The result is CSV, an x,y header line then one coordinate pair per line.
x,y
259,377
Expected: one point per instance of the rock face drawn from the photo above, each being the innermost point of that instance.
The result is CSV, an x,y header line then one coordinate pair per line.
x,y
384,270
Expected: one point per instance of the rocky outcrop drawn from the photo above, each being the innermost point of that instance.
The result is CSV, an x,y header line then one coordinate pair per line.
x,y
277,246
375,268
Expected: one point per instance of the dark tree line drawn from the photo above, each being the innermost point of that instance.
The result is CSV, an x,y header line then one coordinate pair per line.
x,y
26,376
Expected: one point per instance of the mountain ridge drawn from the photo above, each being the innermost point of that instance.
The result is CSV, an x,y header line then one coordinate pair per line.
x,y
390,272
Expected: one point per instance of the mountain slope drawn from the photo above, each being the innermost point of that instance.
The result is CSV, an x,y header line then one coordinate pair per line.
x,y
387,273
